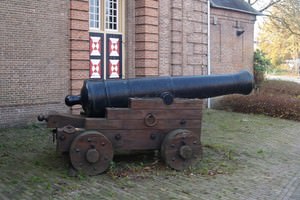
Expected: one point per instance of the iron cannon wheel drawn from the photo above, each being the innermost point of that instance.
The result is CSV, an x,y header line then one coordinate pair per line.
x,y
180,149
91,153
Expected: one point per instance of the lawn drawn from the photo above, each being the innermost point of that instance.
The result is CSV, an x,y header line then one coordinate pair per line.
x,y
245,157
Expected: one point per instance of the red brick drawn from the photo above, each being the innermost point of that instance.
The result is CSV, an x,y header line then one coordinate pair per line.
x,y
35,60
79,75
228,51
146,46
79,5
140,20
146,3
79,55
148,37
76,84
79,25
79,35
79,15
146,54
148,28
79,45
144,63
153,12
80,64
140,72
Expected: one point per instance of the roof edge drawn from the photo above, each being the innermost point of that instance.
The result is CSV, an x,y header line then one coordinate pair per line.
x,y
212,4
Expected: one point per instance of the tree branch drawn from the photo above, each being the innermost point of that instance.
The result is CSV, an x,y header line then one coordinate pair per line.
x,y
252,2
272,3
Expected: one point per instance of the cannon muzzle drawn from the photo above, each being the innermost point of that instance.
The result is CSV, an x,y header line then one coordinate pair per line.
x,y
97,94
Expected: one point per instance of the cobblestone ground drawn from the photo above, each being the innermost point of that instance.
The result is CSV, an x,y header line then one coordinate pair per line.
x,y
245,157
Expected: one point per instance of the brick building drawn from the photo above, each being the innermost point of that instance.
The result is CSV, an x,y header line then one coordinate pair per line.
x,y
231,36
34,59
47,48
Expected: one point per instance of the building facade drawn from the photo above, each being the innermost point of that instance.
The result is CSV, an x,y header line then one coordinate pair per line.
x,y
49,47
114,39
34,59
231,36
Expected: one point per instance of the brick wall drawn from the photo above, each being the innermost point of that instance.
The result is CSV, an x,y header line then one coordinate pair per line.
x,y
79,43
171,37
44,49
79,46
189,37
229,52
130,39
146,37
34,59
161,38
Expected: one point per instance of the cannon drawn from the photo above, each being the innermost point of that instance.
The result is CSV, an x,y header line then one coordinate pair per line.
x,y
159,113
96,95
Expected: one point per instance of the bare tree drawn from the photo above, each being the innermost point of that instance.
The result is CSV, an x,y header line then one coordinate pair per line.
x,y
279,36
286,16
263,5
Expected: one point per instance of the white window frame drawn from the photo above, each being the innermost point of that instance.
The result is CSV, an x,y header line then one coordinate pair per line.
x,y
104,16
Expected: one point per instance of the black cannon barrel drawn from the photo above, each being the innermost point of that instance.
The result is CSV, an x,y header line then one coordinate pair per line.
x,y
97,94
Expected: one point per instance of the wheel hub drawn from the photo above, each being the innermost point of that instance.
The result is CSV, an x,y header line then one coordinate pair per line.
x,y
92,156
91,152
186,152
180,149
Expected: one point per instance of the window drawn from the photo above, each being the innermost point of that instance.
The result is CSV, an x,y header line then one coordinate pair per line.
x,y
106,38
94,14
104,15
111,15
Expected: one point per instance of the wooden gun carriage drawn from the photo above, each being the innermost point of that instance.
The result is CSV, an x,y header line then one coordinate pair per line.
x,y
162,113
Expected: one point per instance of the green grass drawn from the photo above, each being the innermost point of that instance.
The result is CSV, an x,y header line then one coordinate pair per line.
x,y
231,142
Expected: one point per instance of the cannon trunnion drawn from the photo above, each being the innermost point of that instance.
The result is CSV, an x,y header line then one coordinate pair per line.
x,y
161,113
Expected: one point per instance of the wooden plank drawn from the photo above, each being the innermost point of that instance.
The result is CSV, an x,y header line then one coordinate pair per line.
x,y
57,120
139,124
139,139
126,113
134,140
157,103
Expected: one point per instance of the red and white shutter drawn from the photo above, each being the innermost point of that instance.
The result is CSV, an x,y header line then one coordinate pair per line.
x,y
113,56
96,55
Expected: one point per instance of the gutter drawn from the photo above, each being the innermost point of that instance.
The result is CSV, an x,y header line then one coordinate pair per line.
x,y
208,48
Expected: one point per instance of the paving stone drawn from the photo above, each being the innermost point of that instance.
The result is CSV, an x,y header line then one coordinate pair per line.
x,y
257,158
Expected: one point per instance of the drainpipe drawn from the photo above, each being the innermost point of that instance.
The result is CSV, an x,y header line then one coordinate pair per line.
x,y
208,47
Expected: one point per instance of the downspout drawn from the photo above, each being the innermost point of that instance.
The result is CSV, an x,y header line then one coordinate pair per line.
x,y
208,48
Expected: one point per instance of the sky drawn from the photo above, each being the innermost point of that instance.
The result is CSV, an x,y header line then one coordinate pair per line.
x,y
259,20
